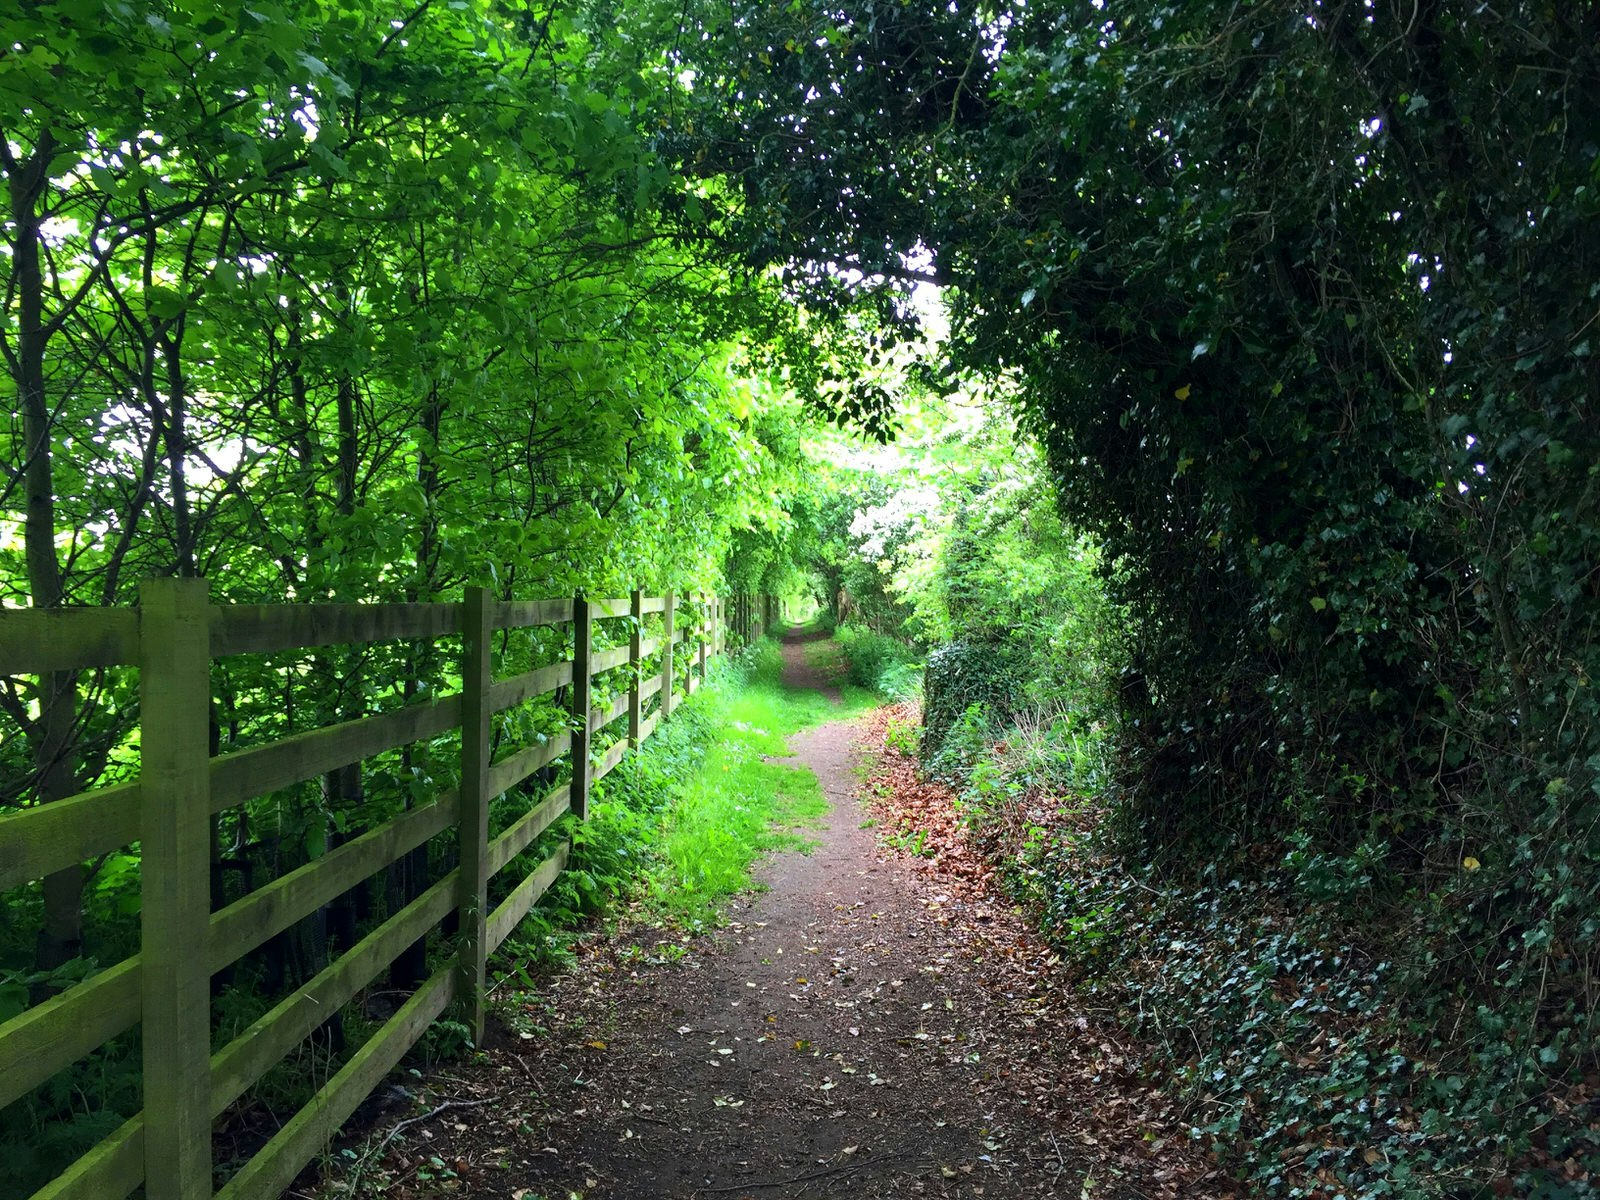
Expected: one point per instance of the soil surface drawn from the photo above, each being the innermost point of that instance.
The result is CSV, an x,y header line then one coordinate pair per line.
x,y
871,1024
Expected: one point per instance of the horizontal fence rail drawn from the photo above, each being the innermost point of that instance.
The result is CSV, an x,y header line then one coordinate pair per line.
x,y
173,638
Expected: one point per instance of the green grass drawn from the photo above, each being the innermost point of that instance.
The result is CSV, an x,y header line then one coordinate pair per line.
x,y
770,712
739,805
678,827
737,810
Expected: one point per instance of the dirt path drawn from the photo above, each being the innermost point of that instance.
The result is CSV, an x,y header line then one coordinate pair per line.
x,y
854,1030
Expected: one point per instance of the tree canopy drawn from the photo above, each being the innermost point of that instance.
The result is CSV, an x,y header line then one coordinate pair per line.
x,y
1300,301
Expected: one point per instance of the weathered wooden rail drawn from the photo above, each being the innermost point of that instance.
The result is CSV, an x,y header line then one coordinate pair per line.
x,y
172,638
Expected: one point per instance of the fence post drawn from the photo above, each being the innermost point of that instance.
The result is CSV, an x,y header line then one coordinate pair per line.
x,y
582,639
635,678
667,615
175,886
708,629
477,635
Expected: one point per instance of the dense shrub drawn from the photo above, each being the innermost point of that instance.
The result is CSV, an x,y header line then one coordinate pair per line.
x,y
1300,300
984,679
879,662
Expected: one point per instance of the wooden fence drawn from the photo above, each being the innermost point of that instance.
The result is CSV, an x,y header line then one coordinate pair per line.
x,y
172,638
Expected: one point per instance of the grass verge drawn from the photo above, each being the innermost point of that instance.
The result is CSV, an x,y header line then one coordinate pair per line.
x,y
675,830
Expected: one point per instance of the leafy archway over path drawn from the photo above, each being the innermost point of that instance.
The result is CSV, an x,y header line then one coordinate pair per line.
x,y
1302,306
1301,300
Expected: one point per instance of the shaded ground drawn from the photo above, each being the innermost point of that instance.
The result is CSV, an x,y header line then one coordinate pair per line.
x,y
870,1025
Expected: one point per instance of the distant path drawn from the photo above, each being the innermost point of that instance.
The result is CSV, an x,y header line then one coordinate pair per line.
x,y
843,1036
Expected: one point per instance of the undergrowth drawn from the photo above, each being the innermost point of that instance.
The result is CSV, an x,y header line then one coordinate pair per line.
x,y
1327,1050
880,663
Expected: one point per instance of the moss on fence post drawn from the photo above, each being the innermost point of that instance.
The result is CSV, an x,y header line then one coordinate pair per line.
x,y
175,897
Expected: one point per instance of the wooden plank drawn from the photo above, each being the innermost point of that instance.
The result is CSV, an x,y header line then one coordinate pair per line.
x,y
649,687
175,884
649,725
608,660
35,1044
607,609
611,758
515,906
109,1171
116,1165
244,774
599,718
520,834
635,660
509,772
268,628
273,1169
582,645
36,641
520,688
520,614
251,920
238,1065
39,841
654,604
649,646
472,828
707,629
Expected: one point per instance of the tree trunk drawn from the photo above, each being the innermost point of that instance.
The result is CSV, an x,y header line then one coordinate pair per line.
x,y
61,937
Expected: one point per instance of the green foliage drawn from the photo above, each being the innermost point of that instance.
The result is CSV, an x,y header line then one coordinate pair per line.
x,y
977,685
878,662
1317,1049
901,735
346,304
866,530
67,1115
965,739
1300,306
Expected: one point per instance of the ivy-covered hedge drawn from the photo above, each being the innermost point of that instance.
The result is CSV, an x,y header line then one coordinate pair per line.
x,y
1315,1059
960,675
1301,301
